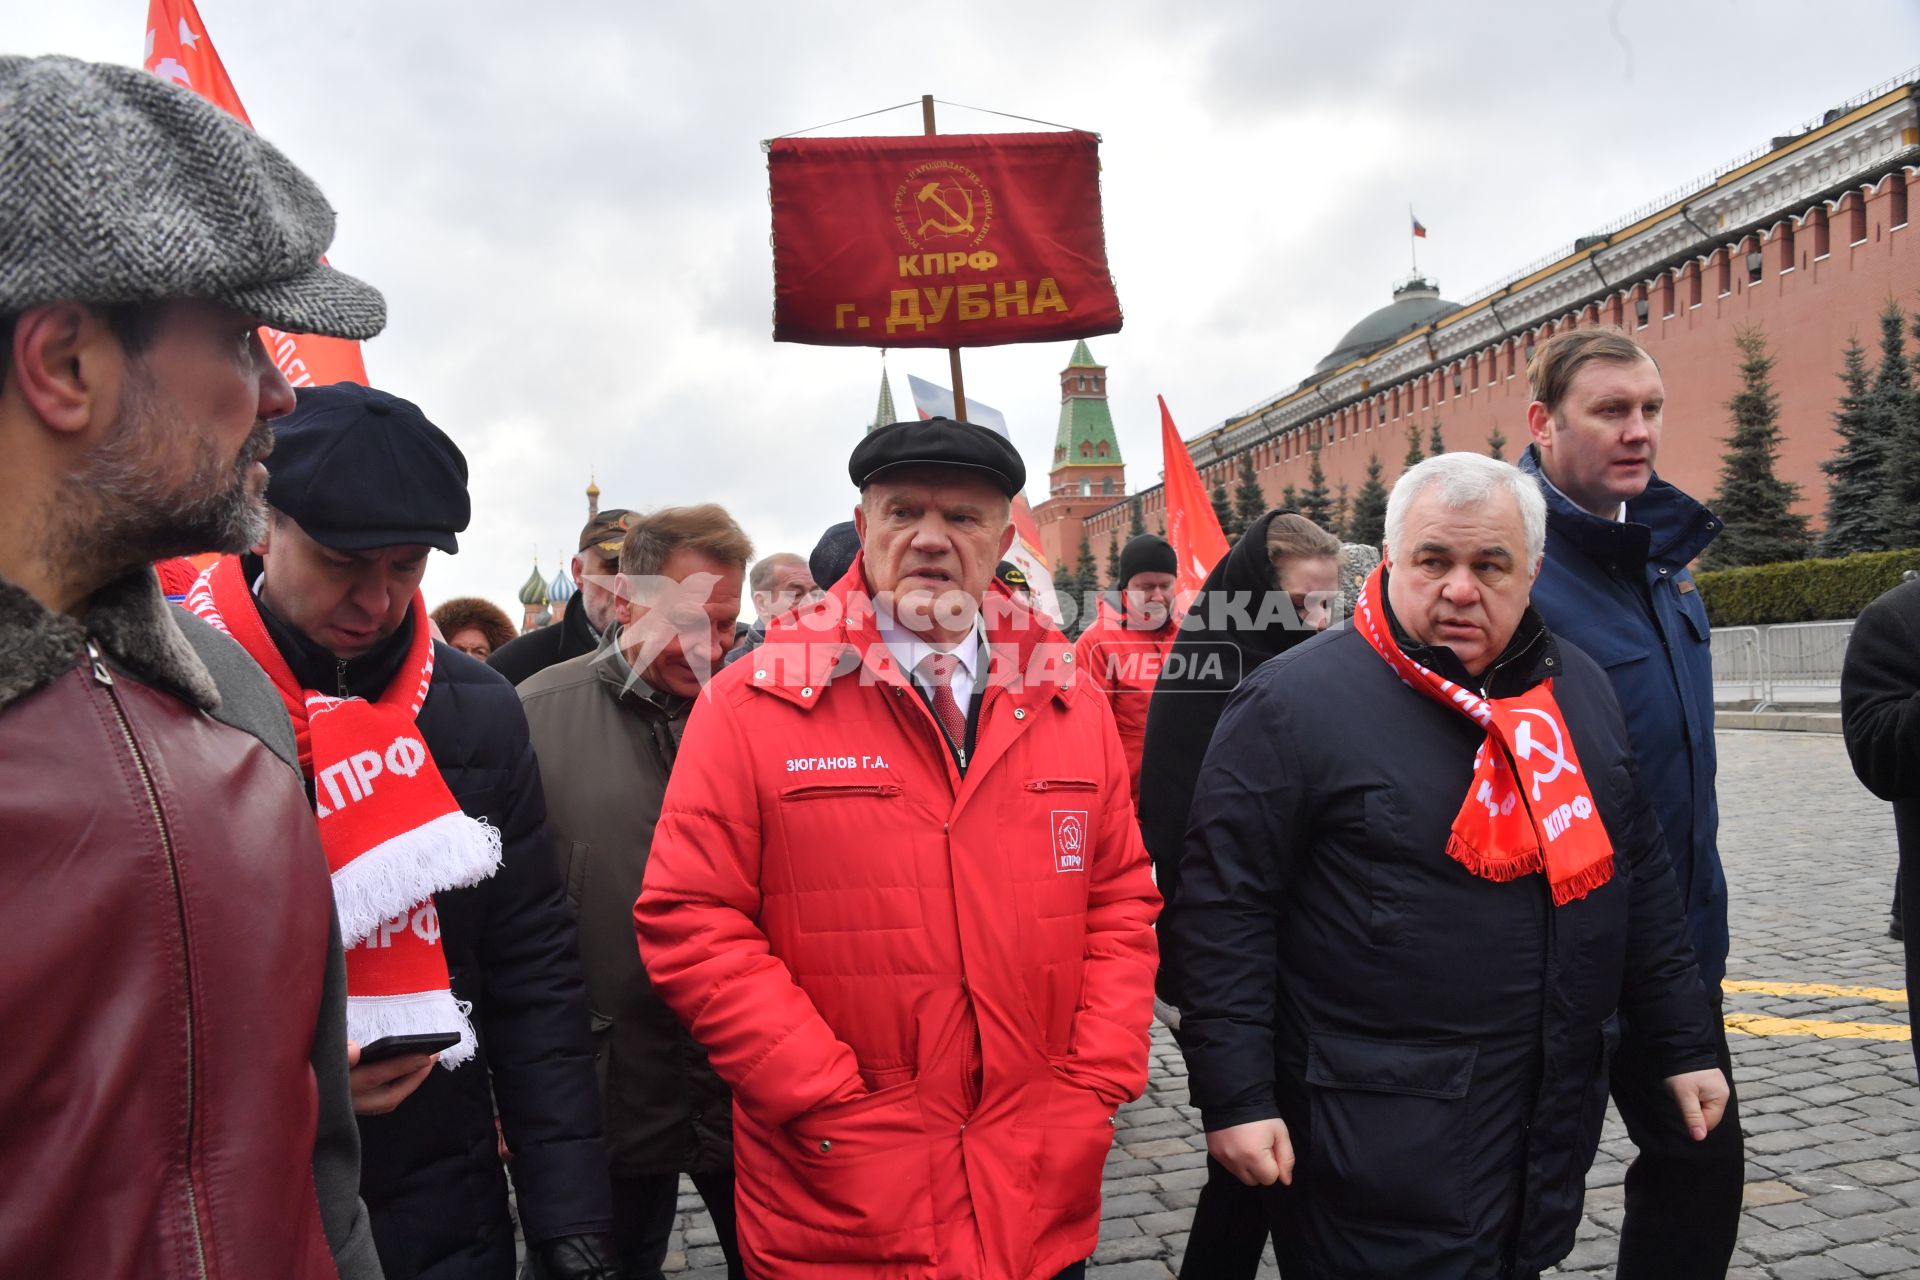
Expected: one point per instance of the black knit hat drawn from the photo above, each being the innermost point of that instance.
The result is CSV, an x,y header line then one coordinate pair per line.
x,y
1147,553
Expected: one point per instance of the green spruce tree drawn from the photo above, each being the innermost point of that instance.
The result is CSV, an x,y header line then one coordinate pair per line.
x,y
1316,504
1223,509
1249,499
1435,445
1889,404
1369,524
1136,517
1902,484
1497,446
1854,470
1755,506
1337,515
1415,455
1113,560
1085,586
1289,499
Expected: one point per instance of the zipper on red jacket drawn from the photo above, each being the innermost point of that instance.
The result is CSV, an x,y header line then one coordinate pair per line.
x,y
105,678
828,789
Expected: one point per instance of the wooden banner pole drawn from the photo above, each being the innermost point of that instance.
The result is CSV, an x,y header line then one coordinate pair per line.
x,y
953,353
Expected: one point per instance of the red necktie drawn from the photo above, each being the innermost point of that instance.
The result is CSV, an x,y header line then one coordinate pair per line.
x,y
938,668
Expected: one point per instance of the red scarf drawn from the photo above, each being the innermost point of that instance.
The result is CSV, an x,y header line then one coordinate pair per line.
x,y
392,832
1502,828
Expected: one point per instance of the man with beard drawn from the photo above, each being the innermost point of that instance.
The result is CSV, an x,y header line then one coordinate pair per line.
x,y
1122,650
170,972
595,567
428,805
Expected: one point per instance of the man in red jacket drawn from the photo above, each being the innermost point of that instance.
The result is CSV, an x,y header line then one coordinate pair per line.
x,y
898,893
1123,649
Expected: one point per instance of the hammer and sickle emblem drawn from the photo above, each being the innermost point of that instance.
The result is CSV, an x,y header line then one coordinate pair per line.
x,y
957,223
1526,747
1070,835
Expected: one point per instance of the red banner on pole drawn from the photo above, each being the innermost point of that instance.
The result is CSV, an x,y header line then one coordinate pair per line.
x,y
952,240
1192,528
179,49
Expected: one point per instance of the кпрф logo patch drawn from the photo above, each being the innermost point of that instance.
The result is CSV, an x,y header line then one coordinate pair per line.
x,y
1069,839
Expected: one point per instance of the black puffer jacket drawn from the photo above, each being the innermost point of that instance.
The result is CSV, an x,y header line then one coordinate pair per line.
x,y
1225,635
547,646
430,1169
1880,709
1436,1042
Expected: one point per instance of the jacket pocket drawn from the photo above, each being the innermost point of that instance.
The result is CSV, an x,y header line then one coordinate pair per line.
x,y
1594,1105
1389,1128
839,790
577,857
1075,1132
1616,646
851,1183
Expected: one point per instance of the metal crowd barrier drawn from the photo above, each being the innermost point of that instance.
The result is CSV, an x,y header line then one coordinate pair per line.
x,y
1739,666
1788,663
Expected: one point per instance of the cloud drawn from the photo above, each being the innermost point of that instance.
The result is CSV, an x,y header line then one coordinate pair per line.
x,y
566,203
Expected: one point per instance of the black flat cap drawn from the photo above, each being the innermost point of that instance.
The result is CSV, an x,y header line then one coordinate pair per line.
x,y
357,468
938,442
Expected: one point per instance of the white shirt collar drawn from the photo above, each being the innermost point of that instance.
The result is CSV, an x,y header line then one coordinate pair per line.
x,y
909,649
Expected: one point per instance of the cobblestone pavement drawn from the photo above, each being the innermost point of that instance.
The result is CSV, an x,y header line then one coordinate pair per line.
x,y
1832,1122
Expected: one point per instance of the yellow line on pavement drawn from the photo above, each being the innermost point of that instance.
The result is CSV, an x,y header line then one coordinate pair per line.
x,y
1887,995
1754,1024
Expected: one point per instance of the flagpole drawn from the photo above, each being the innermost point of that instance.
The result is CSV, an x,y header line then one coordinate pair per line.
x,y
953,353
1413,247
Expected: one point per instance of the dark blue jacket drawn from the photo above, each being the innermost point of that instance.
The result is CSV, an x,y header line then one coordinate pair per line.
x,y
1437,1043
1622,592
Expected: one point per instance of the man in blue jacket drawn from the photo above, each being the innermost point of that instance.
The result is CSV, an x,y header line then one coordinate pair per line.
x,y
1615,583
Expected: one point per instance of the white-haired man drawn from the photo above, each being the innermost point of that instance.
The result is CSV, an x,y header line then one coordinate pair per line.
x,y
1431,821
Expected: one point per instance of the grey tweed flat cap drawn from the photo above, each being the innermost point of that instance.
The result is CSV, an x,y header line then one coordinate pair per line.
x,y
116,186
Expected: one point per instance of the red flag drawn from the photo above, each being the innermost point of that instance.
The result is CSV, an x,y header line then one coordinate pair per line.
x,y
179,49
1192,528
955,240
1419,227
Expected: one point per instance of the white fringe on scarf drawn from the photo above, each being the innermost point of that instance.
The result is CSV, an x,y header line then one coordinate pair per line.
x,y
371,1018
450,852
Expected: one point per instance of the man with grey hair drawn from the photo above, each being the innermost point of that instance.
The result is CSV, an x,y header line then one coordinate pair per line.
x,y
779,583
171,977
1420,887
898,894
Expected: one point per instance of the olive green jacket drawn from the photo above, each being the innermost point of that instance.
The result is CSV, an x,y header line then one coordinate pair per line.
x,y
606,743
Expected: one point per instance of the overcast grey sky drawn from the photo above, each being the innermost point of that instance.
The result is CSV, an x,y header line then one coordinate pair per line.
x,y
565,203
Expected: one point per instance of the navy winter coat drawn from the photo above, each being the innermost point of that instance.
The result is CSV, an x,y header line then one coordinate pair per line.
x,y
1622,592
430,1169
1437,1043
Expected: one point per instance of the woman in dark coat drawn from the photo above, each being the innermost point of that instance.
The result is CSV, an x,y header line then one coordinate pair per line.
x,y
1227,634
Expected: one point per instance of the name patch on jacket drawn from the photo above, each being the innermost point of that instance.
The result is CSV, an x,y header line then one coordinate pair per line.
x,y
1069,840
833,764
